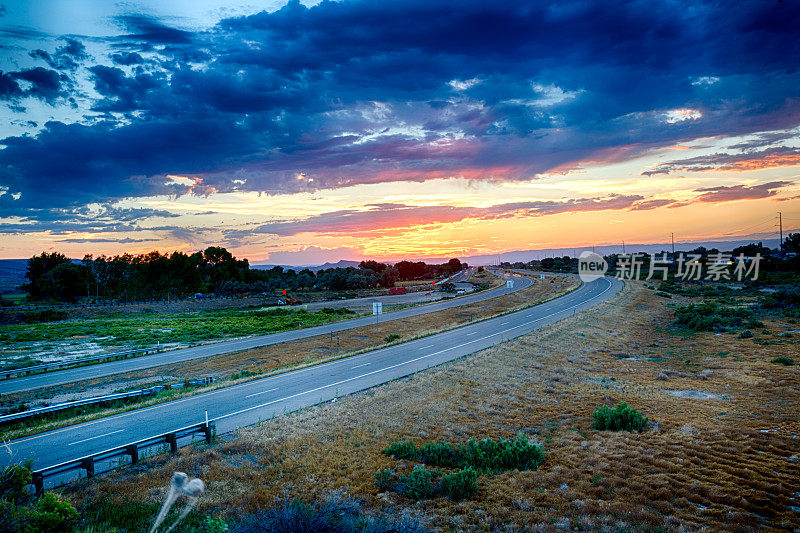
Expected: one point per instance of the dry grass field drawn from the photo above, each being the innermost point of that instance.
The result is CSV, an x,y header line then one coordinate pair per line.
x,y
721,453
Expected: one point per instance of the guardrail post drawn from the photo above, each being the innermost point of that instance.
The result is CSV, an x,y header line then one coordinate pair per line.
x,y
207,431
38,482
87,463
133,451
172,440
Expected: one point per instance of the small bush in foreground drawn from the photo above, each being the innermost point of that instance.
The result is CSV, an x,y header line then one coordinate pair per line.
x,y
336,513
19,511
785,361
746,334
618,418
391,338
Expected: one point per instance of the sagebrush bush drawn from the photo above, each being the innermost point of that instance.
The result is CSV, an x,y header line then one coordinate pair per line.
x,y
746,334
784,301
391,338
618,418
384,479
709,316
335,513
785,361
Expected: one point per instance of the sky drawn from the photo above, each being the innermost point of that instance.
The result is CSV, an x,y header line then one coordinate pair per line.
x,y
299,133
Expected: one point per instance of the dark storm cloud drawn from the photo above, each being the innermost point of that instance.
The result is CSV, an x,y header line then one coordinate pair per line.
x,y
127,58
368,91
150,30
66,57
42,83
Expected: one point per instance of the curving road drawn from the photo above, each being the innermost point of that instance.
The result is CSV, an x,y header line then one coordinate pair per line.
x,y
70,375
248,403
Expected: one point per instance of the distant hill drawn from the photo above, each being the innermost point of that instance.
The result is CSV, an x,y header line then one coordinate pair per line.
x,y
339,264
12,275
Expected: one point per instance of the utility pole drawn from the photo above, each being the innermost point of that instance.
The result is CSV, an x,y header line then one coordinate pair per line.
x,y
780,225
672,238
623,247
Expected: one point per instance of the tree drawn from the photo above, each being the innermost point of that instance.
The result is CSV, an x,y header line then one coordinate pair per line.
x,y
37,269
791,244
453,266
389,277
372,265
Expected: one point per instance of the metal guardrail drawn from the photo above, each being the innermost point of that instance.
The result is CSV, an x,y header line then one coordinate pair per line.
x,y
44,367
100,399
131,450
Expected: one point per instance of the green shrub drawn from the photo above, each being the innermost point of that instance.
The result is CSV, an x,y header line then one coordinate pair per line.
x,y
784,301
391,338
418,485
663,294
785,361
384,479
484,455
14,480
709,316
618,418
52,513
459,485
402,450
746,334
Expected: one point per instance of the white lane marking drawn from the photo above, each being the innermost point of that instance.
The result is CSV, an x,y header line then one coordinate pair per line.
x,y
363,364
262,392
407,362
504,323
96,437
471,333
428,346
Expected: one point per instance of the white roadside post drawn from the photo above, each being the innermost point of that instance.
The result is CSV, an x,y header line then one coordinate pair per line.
x,y
541,276
509,286
377,310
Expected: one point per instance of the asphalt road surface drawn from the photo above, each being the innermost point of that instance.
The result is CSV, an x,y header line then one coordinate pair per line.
x,y
251,402
61,377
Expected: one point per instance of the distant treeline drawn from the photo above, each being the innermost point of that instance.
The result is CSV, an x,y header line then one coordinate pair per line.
x,y
773,261
126,277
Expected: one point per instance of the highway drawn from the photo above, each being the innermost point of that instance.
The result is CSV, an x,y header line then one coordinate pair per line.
x,y
261,399
70,375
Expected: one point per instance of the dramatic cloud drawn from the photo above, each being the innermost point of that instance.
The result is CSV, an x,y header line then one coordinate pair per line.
x,y
743,161
365,91
381,217
66,57
741,192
